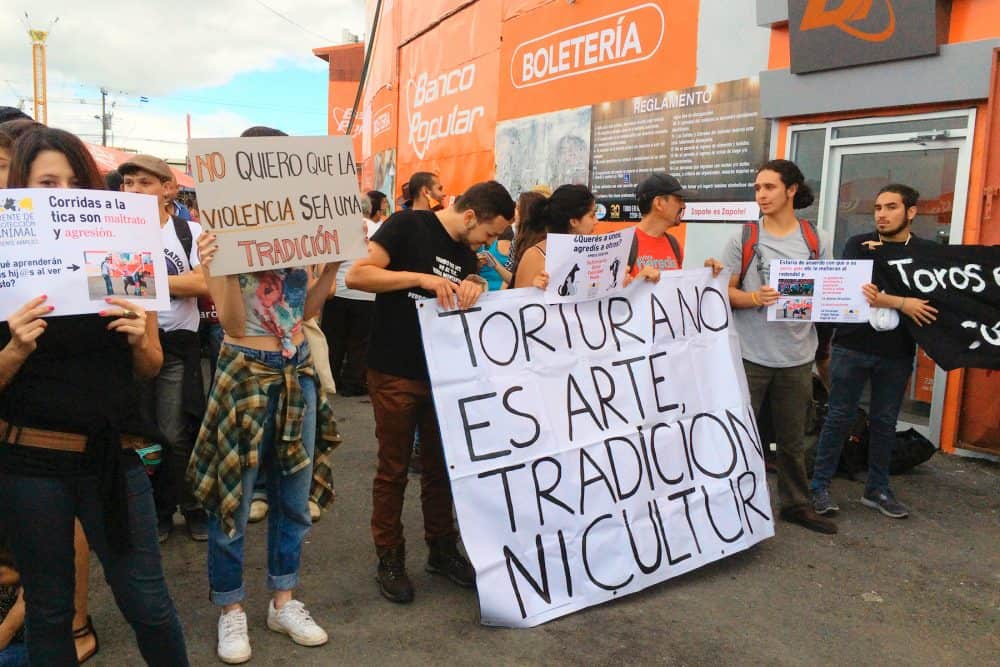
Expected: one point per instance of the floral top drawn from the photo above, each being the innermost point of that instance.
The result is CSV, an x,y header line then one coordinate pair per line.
x,y
275,303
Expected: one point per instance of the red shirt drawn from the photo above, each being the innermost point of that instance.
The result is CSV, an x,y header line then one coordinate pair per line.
x,y
656,252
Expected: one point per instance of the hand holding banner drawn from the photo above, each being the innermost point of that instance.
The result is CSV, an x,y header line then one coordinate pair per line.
x,y
278,202
79,247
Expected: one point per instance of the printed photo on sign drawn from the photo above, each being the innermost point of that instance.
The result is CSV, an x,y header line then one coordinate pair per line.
x,y
116,273
595,448
80,247
585,267
819,290
278,202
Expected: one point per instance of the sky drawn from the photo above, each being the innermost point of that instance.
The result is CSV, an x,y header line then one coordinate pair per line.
x,y
229,63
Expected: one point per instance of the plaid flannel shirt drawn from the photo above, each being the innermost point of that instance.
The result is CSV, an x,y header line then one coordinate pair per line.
x,y
237,408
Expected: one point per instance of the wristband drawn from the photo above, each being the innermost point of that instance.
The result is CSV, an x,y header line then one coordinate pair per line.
x,y
755,299
902,302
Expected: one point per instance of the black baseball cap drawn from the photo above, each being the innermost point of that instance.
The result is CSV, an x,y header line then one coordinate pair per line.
x,y
658,184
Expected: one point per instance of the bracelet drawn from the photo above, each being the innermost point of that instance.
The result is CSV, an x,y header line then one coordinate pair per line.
x,y
902,302
756,299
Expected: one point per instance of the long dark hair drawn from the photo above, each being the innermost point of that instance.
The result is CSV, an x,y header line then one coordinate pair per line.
x,y
41,138
529,230
791,175
567,203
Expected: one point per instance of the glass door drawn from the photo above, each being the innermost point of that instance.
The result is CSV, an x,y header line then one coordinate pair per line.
x,y
937,166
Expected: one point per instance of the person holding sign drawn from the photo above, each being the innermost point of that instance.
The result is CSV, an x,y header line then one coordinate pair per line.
x,y
69,428
778,359
417,254
262,415
874,353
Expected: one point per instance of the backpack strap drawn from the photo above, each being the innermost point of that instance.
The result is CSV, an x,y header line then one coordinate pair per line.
x,y
811,237
751,237
183,232
676,247
633,252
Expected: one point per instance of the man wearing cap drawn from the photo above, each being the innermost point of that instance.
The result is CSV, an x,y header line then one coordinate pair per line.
x,y
661,203
177,391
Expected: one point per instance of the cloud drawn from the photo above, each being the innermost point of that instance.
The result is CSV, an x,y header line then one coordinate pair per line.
x,y
156,48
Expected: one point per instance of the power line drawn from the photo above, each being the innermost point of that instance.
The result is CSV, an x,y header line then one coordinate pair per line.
x,y
297,25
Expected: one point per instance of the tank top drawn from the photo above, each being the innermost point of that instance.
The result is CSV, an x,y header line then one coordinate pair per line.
x,y
275,302
492,277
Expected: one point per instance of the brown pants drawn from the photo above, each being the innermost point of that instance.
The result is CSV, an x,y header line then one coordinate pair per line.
x,y
401,405
790,392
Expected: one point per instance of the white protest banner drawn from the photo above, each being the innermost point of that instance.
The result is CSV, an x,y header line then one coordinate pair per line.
x,y
586,267
826,290
595,448
79,247
277,202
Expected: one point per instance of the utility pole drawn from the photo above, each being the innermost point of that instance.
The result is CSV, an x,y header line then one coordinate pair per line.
x,y
104,117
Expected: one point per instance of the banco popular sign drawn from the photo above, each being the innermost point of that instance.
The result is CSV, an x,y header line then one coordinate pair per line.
x,y
629,36
435,110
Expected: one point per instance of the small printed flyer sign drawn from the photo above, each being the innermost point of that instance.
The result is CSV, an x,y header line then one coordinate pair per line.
x,y
586,267
278,202
79,247
827,290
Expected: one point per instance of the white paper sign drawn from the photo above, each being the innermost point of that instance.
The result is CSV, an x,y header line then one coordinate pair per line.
x,y
595,448
79,247
586,267
277,202
826,290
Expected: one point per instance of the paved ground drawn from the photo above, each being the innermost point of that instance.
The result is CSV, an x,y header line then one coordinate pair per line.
x,y
924,591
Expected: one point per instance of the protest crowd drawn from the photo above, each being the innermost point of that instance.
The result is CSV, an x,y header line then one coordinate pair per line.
x,y
107,432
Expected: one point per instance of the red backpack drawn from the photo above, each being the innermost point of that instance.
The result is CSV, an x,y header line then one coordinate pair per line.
x,y
751,237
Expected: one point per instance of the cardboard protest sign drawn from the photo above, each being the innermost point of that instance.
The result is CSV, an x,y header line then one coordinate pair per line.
x,y
963,283
586,267
595,448
79,247
826,290
277,202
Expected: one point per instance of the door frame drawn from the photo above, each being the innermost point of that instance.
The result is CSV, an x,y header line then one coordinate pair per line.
x,y
835,148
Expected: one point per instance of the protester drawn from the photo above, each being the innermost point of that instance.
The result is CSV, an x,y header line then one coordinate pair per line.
x,y
661,204
527,230
9,131
347,316
426,193
178,391
262,417
416,254
493,261
863,354
778,357
71,425
12,113
13,652
570,210
113,181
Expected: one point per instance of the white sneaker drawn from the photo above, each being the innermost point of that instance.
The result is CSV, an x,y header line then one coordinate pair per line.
x,y
234,642
315,513
258,510
294,620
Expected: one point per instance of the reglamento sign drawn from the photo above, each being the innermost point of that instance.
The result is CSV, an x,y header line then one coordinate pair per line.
x,y
830,34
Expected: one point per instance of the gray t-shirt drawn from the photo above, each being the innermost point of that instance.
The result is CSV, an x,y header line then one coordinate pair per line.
x,y
773,344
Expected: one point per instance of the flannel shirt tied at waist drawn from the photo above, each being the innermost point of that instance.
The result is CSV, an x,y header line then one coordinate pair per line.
x,y
237,408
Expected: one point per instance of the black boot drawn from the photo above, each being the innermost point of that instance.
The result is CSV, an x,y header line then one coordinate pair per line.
x,y
391,577
445,559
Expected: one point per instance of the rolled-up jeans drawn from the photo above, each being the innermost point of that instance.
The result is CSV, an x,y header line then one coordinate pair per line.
x,y
288,520
39,513
849,372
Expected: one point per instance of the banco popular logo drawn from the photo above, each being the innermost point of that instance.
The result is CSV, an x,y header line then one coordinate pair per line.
x,y
433,107
846,17
341,117
629,36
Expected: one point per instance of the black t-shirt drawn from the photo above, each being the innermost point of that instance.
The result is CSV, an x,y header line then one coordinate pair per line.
x,y
895,343
415,241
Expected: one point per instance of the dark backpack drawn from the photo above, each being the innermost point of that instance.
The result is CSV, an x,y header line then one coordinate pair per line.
x,y
183,232
751,238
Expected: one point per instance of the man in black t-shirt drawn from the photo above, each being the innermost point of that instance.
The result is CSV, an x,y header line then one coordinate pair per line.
x,y
862,353
417,254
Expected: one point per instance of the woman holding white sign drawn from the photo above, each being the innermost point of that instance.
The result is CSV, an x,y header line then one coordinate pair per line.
x,y
67,410
262,416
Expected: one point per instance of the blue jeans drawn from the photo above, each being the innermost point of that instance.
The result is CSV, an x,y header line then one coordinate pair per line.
x,y
39,513
849,371
288,519
15,655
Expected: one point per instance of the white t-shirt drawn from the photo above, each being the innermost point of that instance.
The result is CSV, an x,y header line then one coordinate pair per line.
x,y
183,313
343,291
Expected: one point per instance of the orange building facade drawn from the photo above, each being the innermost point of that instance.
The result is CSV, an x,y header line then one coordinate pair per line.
x,y
858,93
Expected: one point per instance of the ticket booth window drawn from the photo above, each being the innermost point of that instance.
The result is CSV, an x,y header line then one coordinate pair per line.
x,y
847,163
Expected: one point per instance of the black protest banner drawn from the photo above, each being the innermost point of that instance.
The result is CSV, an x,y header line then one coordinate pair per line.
x,y
595,448
963,283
